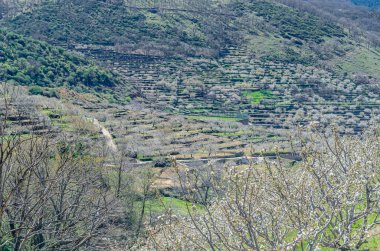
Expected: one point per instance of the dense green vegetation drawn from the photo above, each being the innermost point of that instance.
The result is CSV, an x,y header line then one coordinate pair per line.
x,y
256,96
30,62
290,23
361,60
288,35
191,32
105,23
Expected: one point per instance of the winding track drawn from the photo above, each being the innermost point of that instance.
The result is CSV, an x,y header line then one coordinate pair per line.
x,y
109,140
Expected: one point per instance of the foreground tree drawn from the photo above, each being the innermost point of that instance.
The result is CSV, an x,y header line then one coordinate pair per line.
x,y
329,200
53,194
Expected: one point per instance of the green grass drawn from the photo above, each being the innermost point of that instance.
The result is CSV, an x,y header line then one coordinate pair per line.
x,y
58,119
231,134
372,244
361,60
272,48
198,110
264,45
51,112
291,23
160,205
292,31
23,136
213,118
257,96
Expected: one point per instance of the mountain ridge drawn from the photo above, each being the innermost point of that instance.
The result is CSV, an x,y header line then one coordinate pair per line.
x,y
271,56
194,33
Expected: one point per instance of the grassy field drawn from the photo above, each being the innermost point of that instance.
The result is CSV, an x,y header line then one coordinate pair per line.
x,y
256,96
196,117
160,205
361,60
373,242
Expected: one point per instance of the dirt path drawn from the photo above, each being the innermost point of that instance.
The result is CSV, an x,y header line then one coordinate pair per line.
x,y
110,142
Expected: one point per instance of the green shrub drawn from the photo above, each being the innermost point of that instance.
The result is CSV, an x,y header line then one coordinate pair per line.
x,y
34,63
36,90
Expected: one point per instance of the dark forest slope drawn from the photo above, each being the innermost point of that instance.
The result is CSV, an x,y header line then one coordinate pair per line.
x,y
189,30
113,23
30,62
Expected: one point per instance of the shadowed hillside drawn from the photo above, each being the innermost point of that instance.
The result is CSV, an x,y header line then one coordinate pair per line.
x,y
40,65
173,29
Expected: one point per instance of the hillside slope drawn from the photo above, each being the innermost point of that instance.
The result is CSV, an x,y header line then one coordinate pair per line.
x,y
114,23
264,68
188,30
270,30
34,63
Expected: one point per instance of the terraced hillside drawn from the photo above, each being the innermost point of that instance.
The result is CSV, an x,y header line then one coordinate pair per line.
x,y
148,137
24,115
194,28
264,67
239,87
